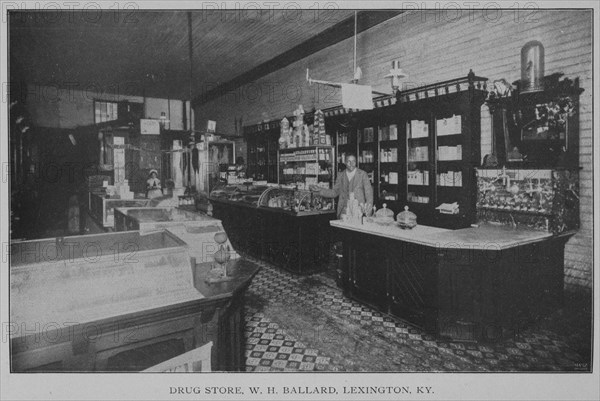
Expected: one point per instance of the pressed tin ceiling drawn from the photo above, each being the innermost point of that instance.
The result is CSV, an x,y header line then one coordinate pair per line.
x,y
145,53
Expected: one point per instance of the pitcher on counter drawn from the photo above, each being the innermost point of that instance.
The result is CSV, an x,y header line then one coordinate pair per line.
x,y
350,180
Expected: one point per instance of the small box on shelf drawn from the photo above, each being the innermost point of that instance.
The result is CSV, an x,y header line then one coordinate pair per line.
x,y
366,156
388,155
417,129
418,154
368,135
449,179
449,126
417,177
448,153
393,130
388,196
412,197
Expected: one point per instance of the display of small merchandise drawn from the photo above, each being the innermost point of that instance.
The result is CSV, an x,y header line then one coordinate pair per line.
x,y
121,190
298,134
418,154
388,133
388,155
449,179
366,156
417,177
308,182
355,211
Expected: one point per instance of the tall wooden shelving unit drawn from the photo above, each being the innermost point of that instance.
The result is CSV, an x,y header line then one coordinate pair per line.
x,y
448,102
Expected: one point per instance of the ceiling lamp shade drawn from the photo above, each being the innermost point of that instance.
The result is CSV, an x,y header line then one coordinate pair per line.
x,y
396,74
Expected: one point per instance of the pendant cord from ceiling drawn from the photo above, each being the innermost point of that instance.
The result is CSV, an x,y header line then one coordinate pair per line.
x,y
355,25
190,51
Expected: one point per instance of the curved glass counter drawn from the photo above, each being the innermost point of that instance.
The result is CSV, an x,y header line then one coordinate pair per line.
x,y
299,202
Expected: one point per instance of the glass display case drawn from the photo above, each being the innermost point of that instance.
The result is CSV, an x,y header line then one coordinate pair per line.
x,y
248,194
223,191
275,197
293,200
101,207
280,225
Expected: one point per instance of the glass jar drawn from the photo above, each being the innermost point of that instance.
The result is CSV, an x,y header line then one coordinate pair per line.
x,y
532,67
384,216
406,219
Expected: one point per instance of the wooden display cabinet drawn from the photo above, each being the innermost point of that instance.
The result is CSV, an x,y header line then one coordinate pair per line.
x,y
374,138
429,170
538,129
443,147
262,151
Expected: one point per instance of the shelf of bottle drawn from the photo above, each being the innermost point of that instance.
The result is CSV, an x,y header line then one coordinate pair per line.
x,y
418,185
418,203
449,186
418,161
320,175
300,161
312,147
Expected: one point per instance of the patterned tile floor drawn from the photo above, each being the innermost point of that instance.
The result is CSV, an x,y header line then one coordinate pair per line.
x,y
270,347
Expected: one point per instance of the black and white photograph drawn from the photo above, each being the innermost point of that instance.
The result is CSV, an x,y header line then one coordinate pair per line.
x,y
301,200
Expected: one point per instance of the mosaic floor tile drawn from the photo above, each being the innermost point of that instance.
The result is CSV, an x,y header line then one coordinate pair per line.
x,y
270,347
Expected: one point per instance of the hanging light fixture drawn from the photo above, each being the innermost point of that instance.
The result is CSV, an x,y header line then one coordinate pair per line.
x,y
163,119
357,75
354,96
395,75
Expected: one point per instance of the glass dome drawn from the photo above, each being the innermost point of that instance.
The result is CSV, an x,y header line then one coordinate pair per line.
x,y
406,219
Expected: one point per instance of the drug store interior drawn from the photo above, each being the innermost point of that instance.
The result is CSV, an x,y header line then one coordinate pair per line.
x,y
179,173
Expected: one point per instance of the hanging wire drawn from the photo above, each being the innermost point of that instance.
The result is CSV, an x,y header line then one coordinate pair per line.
x,y
355,24
190,52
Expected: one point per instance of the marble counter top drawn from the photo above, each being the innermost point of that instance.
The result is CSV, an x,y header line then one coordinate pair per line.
x,y
485,237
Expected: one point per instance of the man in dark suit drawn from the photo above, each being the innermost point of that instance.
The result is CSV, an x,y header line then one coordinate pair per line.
x,y
350,180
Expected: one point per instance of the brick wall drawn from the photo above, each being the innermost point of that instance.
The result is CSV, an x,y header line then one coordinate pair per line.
x,y
435,46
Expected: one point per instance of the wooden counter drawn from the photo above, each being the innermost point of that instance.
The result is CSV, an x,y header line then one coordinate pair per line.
x,y
474,283
483,237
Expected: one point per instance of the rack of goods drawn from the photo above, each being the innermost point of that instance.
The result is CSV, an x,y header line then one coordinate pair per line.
x,y
302,167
